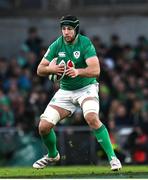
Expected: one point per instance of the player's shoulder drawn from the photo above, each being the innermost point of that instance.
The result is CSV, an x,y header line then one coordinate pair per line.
x,y
58,40
84,40
56,43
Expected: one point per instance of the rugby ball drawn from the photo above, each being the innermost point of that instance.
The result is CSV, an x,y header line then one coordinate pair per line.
x,y
54,77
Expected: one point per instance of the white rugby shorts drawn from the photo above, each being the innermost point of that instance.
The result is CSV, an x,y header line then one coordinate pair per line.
x,y
69,100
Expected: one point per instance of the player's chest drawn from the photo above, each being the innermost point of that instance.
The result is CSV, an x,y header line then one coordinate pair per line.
x,y
71,53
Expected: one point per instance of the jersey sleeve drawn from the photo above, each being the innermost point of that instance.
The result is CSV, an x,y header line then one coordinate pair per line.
x,y
89,50
51,52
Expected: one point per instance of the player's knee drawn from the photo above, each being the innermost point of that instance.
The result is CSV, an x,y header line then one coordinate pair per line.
x,y
45,127
93,120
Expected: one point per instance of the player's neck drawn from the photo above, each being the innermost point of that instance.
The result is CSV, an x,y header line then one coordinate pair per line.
x,y
72,42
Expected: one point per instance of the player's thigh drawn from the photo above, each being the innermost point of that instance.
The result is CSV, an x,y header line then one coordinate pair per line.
x,y
62,112
90,91
89,100
62,102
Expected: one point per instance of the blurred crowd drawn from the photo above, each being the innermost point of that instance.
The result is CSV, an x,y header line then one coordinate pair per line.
x,y
123,89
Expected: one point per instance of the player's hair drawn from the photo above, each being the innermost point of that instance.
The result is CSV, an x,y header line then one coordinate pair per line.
x,y
70,21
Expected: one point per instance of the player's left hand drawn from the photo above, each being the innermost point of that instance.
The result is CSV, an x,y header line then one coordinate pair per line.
x,y
72,72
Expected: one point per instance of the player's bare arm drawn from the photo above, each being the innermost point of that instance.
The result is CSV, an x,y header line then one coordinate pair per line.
x,y
46,68
92,69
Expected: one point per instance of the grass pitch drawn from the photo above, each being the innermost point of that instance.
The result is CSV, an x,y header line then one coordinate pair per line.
x,y
84,172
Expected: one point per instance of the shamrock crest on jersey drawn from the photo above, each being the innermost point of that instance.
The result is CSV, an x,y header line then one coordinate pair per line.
x,y
76,54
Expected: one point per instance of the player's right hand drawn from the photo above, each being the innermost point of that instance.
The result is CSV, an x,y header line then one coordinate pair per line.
x,y
55,68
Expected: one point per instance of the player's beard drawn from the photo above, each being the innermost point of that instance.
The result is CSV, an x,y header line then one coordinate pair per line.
x,y
69,39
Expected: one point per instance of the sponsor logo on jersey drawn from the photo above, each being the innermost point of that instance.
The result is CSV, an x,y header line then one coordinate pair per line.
x,y
62,54
76,54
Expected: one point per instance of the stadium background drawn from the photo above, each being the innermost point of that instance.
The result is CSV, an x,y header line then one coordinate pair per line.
x,y
119,31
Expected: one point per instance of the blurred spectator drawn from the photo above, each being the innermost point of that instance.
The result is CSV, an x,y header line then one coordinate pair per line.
x,y
115,49
34,41
121,116
106,99
3,69
24,80
137,144
128,52
96,40
6,113
141,44
22,55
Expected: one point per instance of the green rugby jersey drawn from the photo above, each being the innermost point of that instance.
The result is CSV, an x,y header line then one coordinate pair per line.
x,y
77,52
